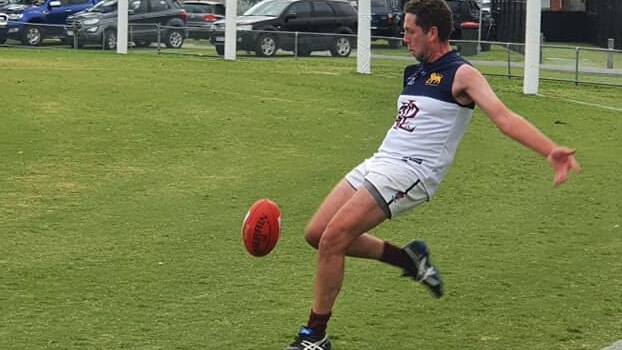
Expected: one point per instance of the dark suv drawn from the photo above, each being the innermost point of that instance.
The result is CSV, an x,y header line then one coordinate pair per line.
x,y
469,11
302,26
387,21
98,25
201,17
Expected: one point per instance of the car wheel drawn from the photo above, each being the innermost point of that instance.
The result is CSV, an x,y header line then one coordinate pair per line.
x,y
341,47
304,51
174,39
266,45
110,39
220,50
142,43
32,36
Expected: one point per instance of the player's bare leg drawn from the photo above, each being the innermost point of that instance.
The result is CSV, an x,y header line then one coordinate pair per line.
x,y
358,215
363,246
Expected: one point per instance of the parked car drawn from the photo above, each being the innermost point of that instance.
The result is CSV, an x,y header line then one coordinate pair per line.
x,y
32,23
98,25
4,18
271,25
387,21
201,17
469,11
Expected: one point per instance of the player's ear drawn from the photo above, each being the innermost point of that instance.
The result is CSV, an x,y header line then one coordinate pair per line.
x,y
433,33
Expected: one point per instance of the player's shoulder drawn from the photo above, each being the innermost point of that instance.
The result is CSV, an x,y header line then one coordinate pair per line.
x,y
411,69
468,73
411,72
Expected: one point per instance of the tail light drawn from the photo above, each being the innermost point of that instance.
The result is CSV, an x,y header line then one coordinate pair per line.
x,y
183,15
209,17
390,19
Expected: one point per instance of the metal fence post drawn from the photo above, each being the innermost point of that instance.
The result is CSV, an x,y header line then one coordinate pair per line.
x,y
74,28
295,44
159,36
508,50
541,54
576,67
610,45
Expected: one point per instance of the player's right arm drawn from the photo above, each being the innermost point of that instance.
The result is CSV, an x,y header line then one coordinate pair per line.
x,y
471,86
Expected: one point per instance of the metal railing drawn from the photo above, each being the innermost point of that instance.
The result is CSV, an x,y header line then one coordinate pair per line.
x,y
566,63
575,64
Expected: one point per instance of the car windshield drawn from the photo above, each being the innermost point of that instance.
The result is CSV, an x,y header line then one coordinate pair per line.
x,y
203,8
104,6
272,8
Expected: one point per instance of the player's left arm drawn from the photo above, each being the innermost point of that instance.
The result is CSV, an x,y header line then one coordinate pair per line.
x,y
470,85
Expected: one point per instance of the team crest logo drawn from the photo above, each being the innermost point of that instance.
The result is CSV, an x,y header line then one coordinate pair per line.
x,y
434,79
408,110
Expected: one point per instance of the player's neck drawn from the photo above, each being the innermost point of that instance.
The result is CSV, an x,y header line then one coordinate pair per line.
x,y
439,51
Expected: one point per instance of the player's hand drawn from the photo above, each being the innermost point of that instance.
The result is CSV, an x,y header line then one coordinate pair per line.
x,y
562,160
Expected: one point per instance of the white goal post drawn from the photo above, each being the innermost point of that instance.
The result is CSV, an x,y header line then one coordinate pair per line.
x,y
532,47
363,38
122,31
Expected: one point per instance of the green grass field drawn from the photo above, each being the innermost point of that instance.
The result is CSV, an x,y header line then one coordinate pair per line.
x,y
124,181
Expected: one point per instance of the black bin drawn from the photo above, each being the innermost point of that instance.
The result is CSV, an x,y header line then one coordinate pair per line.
x,y
469,33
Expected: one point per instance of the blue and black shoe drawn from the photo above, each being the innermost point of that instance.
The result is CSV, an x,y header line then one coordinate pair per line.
x,y
426,272
306,340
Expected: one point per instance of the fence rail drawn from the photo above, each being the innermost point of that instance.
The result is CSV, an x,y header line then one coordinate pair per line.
x,y
566,63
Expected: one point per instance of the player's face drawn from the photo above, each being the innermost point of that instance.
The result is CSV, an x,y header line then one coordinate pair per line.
x,y
416,40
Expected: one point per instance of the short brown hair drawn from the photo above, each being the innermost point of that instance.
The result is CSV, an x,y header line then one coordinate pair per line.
x,y
431,13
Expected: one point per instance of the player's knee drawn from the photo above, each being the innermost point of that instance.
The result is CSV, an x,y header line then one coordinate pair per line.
x,y
332,241
313,234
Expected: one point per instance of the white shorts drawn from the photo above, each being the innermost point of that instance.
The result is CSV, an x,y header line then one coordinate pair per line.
x,y
395,188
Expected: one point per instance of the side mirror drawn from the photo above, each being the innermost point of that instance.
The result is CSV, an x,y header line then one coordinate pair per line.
x,y
55,3
130,12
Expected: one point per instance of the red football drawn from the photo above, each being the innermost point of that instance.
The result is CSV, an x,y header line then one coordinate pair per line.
x,y
261,227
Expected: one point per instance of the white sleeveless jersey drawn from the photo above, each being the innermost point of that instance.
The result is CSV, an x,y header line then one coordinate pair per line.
x,y
430,123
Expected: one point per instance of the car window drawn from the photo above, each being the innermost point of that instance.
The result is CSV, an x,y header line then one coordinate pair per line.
x,y
300,9
343,9
378,3
77,2
219,9
138,6
104,6
272,8
198,8
23,2
322,9
158,5
454,6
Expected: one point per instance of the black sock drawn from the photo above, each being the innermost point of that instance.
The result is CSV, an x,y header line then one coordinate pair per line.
x,y
397,256
318,323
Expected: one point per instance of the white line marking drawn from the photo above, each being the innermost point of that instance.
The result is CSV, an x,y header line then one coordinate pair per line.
x,y
616,109
615,346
